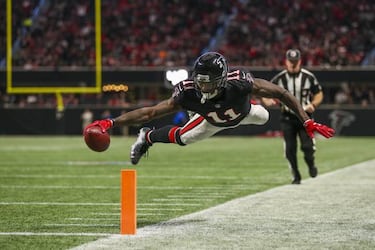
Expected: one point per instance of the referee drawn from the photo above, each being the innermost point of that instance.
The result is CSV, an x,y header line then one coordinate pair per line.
x,y
306,88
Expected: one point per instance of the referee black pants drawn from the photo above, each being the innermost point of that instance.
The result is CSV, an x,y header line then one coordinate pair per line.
x,y
292,127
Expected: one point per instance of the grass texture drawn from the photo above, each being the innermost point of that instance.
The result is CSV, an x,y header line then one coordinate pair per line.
x,y
55,193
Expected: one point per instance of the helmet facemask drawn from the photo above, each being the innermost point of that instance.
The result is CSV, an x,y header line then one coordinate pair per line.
x,y
209,88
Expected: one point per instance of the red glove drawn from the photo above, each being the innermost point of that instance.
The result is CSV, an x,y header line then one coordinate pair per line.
x,y
312,126
103,124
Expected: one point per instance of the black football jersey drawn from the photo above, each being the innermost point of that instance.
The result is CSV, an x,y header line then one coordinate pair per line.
x,y
227,109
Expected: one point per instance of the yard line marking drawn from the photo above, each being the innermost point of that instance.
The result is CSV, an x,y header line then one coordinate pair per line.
x,y
35,148
141,209
51,176
93,219
113,214
158,209
90,163
179,199
64,163
150,214
187,196
53,234
195,188
59,203
81,225
170,204
112,219
32,203
57,187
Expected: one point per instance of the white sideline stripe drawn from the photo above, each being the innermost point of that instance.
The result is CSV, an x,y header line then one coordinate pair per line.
x,y
36,148
158,209
81,225
113,217
32,203
279,218
182,199
150,214
93,219
117,187
52,234
187,196
198,177
141,209
57,187
91,163
169,204
59,203
195,188
113,214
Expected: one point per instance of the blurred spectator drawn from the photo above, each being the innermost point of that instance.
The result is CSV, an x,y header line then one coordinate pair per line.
x,y
106,114
334,33
342,96
173,33
362,95
87,117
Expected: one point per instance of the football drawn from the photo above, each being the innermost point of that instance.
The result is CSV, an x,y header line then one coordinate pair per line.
x,y
95,139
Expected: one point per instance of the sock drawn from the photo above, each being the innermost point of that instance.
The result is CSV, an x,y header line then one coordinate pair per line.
x,y
160,135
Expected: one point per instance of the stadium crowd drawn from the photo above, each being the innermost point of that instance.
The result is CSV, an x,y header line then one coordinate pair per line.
x,y
331,33
173,33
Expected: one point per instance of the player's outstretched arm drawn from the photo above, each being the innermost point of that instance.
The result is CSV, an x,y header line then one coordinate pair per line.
x,y
264,88
138,116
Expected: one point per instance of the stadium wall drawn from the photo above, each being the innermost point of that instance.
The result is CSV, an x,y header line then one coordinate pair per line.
x,y
353,121
45,77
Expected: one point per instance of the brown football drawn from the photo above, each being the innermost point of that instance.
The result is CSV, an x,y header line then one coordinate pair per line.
x,y
96,139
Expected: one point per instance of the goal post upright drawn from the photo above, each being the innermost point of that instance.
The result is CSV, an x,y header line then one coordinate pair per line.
x,y
58,90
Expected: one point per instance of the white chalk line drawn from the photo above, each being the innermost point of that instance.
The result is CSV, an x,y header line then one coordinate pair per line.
x,y
158,209
33,203
36,148
80,225
197,188
106,214
93,219
52,176
187,196
183,199
53,234
9,203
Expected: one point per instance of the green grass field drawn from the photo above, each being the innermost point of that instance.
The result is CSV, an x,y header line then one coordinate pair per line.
x,y
55,193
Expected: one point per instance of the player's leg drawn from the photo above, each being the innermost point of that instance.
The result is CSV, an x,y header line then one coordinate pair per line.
x,y
308,148
197,128
290,148
258,115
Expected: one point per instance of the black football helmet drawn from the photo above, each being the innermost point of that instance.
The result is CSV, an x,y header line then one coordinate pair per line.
x,y
210,74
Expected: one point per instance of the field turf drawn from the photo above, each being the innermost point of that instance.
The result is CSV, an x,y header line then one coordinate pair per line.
x,y
55,193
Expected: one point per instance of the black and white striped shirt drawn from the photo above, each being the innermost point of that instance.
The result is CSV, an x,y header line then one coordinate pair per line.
x,y
302,85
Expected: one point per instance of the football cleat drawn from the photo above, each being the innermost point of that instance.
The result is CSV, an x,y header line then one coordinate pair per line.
x,y
140,147
313,171
296,181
